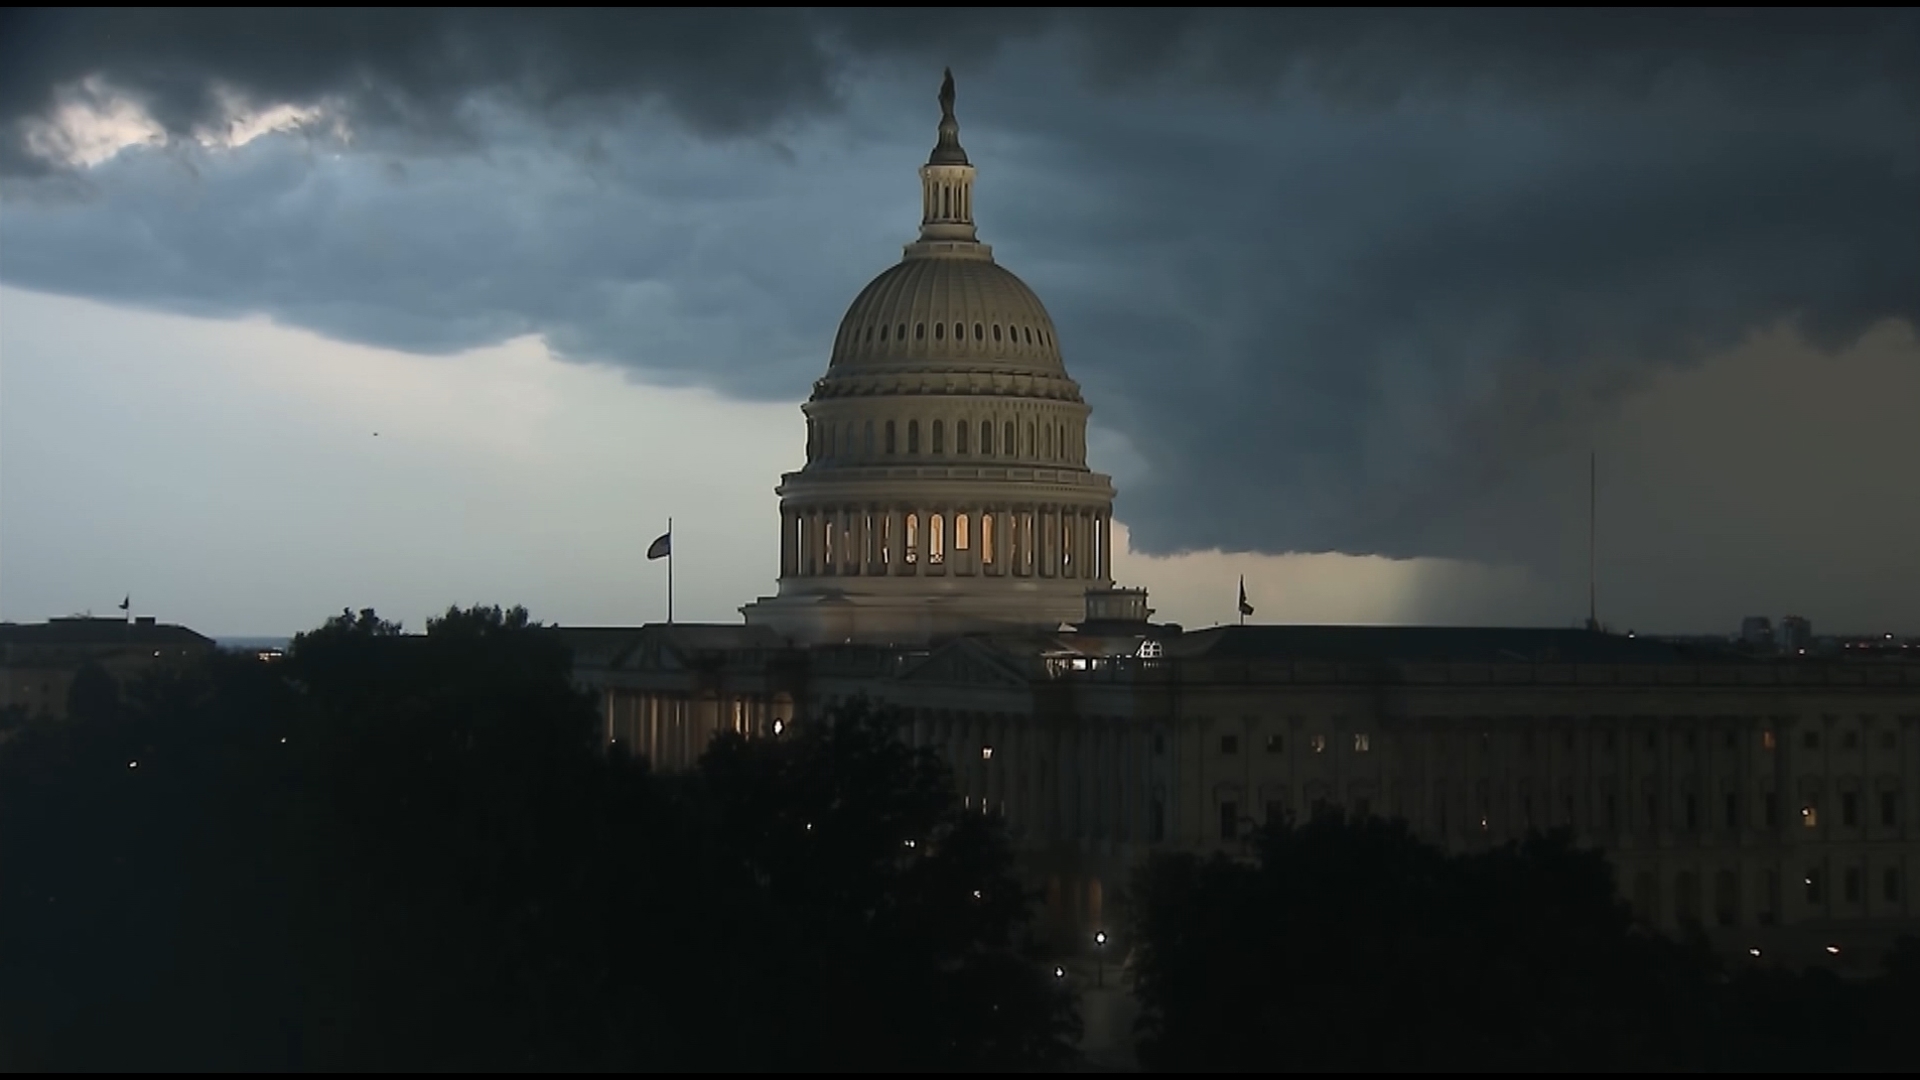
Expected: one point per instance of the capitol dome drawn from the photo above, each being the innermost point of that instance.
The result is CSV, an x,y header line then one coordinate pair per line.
x,y
946,487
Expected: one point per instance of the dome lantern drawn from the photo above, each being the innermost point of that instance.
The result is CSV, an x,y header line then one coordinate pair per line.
x,y
946,182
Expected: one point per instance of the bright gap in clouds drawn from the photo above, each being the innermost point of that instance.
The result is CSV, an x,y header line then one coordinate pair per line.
x,y
229,476
93,122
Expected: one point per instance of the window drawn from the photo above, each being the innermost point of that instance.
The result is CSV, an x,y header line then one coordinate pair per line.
x,y
1812,882
1850,885
939,437
1811,740
1889,808
913,436
1850,740
1229,820
1769,897
1766,739
939,331
1726,897
986,438
890,443
1229,744
919,331
1890,884
867,438
1317,743
986,753
1733,810
1007,446
1810,816
1362,742
960,539
986,539
1033,445
1849,810
1276,744
960,429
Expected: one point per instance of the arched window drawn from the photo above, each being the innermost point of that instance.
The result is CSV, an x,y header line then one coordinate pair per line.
x,y
913,538
996,333
1027,332
986,438
900,332
883,334
986,539
867,439
1049,441
1030,441
936,540
1007,445
919,331
979,332
939,437
959,331
960,436
890,442
959,532
913,436
869,334
939,331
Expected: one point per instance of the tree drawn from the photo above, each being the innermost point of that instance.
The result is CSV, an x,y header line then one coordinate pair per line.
x,y
93,695
1354,945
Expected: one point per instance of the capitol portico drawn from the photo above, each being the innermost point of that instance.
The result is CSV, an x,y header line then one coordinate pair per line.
x,y
946,486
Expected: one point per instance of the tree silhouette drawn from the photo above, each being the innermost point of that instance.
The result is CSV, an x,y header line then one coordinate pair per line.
x,y
94,695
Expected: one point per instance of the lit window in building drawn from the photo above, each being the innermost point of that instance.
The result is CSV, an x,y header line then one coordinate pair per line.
x,y
1766,739
960,527
986,753
1810,816
1318,743
1362,742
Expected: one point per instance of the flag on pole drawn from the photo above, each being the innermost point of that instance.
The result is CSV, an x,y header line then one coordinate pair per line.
x,y
662,547
127,604
1246,609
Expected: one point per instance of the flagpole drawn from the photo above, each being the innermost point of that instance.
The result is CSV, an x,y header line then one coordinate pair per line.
x,y
1241,607
669,571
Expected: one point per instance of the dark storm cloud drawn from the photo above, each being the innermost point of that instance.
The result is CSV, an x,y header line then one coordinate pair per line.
x,y
1329,323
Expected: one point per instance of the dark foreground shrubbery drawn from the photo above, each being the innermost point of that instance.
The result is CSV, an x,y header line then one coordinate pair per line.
x,y
1351,945
404,852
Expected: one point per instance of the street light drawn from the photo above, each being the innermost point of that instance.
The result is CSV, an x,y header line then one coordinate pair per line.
x,y
1100,958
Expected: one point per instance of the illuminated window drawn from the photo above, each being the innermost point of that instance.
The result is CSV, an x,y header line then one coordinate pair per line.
x,y
986,539
1766,739
960,529
1810,816
936,540
1276,744
1318,743
986,753
1362,742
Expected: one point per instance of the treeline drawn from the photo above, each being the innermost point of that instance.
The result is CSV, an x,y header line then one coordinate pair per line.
x,y
412,853
1352,945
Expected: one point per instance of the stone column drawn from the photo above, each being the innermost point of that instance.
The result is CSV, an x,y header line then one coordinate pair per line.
x,y
786,543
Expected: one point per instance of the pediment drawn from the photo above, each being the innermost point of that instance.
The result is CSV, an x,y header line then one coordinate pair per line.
x,y
964,663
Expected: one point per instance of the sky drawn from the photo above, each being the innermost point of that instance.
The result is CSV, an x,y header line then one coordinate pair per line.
x,y
1354,296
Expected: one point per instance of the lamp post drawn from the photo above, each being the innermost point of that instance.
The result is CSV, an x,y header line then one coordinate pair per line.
x,y
1100,958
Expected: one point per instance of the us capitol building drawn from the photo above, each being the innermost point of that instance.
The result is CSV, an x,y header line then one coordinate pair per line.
x,y
945,548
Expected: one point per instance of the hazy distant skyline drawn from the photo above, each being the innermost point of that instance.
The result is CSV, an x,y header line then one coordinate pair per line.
x,y
1363,285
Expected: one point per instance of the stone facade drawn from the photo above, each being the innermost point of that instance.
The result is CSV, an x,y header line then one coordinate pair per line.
x,y
1774,804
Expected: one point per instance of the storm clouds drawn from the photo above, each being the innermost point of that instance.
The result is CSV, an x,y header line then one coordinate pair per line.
x,y
1335,281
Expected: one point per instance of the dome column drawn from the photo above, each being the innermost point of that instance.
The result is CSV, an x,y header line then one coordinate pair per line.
x,y
786,544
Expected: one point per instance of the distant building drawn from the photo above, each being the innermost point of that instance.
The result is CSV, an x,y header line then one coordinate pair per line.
x,y
945,550
1796,633
1756,631
38,661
